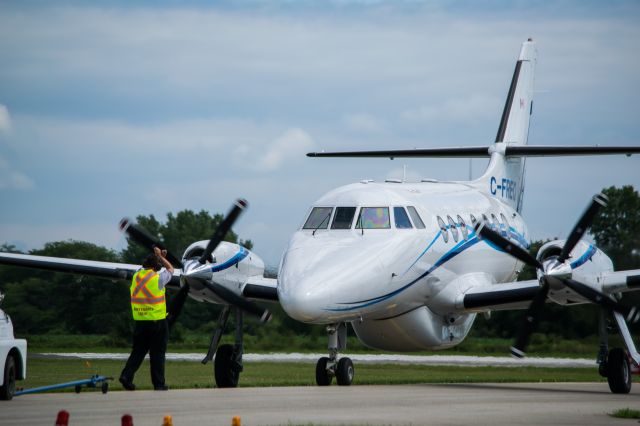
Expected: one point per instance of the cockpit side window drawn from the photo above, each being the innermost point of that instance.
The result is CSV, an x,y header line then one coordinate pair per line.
x,y
401,219
415,217
343,218
319,218
373,218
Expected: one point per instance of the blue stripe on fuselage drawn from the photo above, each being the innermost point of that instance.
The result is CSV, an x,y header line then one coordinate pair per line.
x,y
456,250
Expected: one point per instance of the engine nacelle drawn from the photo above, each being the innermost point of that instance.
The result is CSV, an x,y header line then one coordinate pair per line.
x,y
419,329
230,265
587,263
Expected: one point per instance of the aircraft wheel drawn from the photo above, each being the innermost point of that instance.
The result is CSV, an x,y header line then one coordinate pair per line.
x,y
224,369
105,387
77,388
618,371
345,372
8,389
323,378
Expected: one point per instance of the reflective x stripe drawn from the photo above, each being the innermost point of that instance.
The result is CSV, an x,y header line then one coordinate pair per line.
x,y
141,284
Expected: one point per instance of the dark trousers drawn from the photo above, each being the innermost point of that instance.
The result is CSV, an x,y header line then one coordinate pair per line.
x,y
151,337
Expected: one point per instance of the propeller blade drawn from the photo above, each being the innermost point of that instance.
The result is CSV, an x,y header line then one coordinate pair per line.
x,y
141,236
177,302
513,249
598,201
233,299
630,313
530,321
223,228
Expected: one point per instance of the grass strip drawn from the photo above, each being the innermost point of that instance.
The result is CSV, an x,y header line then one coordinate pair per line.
x,y
186,374
626,413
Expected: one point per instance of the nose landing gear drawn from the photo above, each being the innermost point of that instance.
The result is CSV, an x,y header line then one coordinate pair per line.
x,y
328,367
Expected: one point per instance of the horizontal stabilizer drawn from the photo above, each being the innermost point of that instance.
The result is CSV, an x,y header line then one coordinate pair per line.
x,y
474,151
557,151
483,151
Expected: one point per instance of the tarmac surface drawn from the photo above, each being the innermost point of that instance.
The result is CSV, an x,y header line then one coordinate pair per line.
x,y
441,404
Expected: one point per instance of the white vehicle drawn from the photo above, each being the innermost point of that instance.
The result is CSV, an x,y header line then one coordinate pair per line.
x,y
13,357
408,265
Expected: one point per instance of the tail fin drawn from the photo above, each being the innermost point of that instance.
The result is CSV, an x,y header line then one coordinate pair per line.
x,y
505,175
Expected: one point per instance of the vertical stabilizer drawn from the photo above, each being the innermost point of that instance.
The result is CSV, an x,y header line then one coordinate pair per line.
x,y
504,177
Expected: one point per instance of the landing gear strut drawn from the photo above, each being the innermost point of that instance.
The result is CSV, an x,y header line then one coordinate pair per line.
x,y
328,367
228,358
614,364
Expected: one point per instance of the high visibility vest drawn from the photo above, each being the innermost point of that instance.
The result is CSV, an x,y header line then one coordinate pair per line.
x,y
147,300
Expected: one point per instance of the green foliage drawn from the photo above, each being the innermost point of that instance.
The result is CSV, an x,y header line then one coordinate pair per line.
x,y
178,232
616,229
626,413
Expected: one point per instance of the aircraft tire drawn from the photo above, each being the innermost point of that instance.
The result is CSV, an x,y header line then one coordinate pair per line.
x,y
8,389
226,375
323,378
618,371
345,372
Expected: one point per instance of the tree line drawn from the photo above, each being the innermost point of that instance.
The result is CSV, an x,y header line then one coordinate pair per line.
x,y
42,302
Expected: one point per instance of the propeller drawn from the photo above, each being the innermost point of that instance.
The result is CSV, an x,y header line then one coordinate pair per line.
x,y
138,234
141,236
546,272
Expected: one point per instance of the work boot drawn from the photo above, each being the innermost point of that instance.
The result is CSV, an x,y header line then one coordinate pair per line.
x,y
127,384
161,388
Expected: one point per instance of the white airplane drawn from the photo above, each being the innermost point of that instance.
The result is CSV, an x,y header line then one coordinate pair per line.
x,y
409,265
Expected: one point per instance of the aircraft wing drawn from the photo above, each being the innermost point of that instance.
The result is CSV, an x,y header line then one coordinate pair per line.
x,y
496,297
261,288
108,270
518,294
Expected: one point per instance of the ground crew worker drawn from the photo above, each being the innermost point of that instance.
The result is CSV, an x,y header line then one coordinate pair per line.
x,y
149,310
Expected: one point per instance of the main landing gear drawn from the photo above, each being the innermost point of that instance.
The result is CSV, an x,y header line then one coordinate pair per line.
x,y
228,358
615,364
328,367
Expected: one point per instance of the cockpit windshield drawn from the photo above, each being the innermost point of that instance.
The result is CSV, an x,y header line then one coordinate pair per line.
x,y
319,218
343,218
373,218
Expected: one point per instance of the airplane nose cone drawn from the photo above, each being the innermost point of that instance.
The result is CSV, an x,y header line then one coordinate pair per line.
x,y
316,283
301,294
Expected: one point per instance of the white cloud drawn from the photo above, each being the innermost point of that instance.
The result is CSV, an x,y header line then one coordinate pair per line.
x,y
11,179
290,146
5,119
473,108
365,123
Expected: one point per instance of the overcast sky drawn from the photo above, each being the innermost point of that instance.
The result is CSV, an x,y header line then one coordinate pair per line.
x,y
110,110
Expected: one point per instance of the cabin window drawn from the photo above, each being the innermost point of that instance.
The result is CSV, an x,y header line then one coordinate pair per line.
x,y
496,224
374,218
463,228
319,218
415,217
401,219
454,228
343,218
473,220
443,229
505,224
